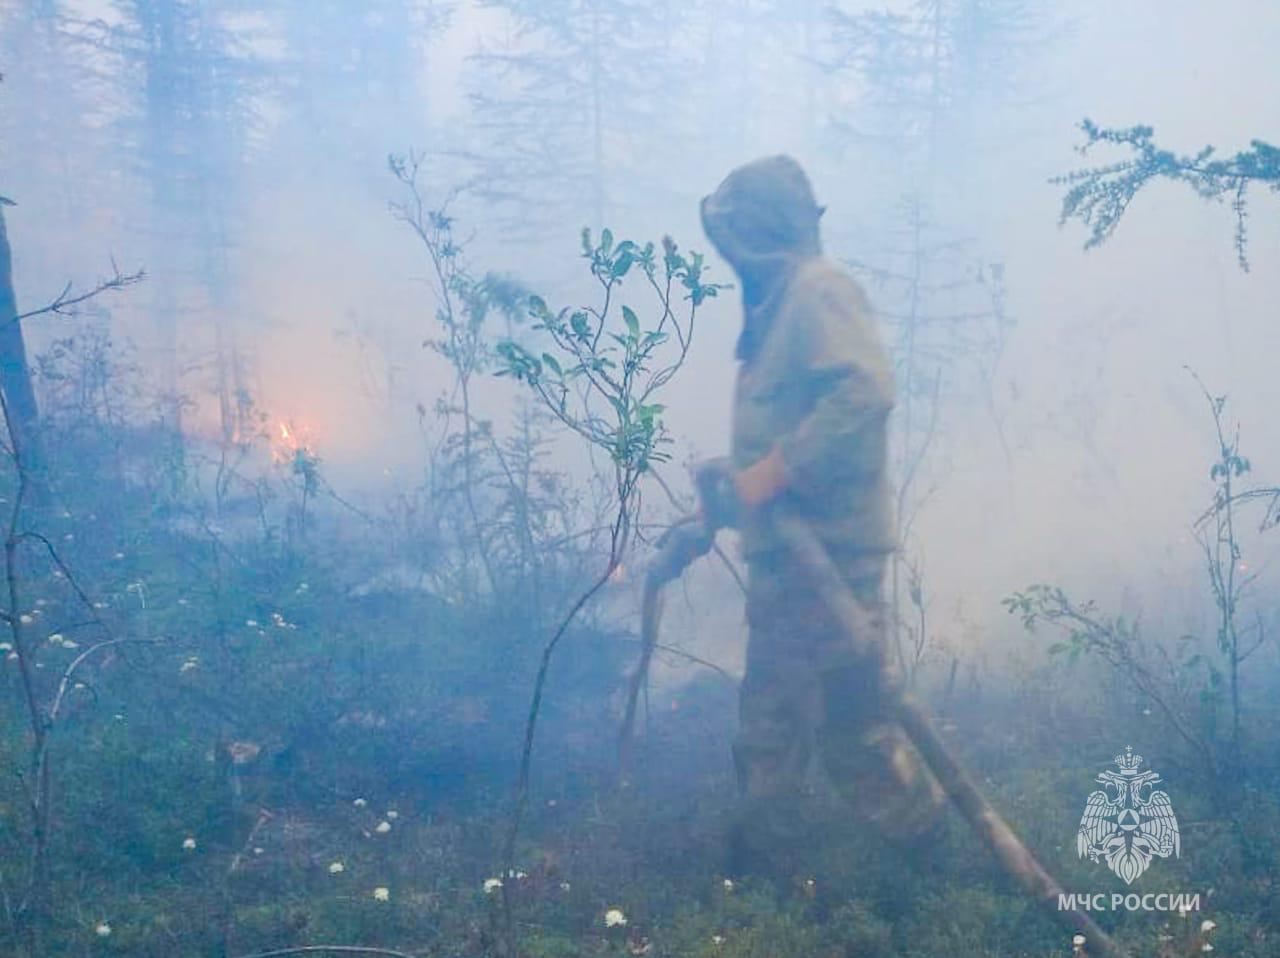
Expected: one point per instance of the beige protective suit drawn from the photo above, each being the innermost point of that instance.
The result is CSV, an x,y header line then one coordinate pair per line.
x,y
815,385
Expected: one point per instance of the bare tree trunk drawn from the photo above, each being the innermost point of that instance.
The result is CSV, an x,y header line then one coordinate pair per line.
x,y
15,374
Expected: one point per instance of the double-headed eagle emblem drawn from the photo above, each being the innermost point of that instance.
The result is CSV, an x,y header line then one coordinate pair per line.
x,y
1128,822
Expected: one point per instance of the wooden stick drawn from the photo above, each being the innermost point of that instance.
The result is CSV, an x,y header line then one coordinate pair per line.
x,y
677,549
1014,857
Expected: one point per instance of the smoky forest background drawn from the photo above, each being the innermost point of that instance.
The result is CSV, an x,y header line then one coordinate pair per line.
x,y
324,522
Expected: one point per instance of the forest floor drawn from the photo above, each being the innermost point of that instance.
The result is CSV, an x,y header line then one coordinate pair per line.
x,y
640,871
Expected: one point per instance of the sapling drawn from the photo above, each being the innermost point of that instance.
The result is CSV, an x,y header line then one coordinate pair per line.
x,y
20,440
1155,671
600,370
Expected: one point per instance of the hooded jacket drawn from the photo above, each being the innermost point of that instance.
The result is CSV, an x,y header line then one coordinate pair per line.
x,y
815,381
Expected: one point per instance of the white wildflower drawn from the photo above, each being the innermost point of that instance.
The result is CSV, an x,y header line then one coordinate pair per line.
x,y
520,876
189,844
728,884
258,849
336,868
78,686
243,752
118,556
1208,925
1078,941
392,814
191,663
717,939
251,623
26,619
102,929
56,638
1206,947
614,918
70,644
383,828
42,602
491,885
382,893
12,656
5,647
564,886
359,803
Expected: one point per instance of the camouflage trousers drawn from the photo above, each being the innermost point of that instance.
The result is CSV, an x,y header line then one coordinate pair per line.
x,y
808,692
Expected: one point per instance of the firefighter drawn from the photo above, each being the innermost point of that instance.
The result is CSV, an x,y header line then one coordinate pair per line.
x,y
810,417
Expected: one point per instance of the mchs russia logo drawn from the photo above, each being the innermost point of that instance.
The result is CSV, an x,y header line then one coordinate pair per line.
x,y
1128,822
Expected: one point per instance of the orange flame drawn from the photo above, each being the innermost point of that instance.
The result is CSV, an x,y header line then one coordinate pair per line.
x,y
292,440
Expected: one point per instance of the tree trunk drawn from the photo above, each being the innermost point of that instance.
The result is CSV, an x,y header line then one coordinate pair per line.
x,y
15,374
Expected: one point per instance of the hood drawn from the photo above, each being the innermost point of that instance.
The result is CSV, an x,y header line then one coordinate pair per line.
x,y
763,220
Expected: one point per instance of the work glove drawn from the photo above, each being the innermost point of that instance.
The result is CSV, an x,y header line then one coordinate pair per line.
x,y
717,495
725,492
761,481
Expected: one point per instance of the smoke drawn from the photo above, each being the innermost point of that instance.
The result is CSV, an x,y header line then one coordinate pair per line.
x,y
1080,458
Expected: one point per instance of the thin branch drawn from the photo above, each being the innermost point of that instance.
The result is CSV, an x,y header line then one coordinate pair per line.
x,y
70,670
1099,196
65,302
689,656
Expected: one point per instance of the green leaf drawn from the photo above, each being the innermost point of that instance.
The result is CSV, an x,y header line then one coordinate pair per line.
x,y
550,362
606,241
632,321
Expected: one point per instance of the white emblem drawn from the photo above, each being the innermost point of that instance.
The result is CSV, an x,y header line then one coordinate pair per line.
x,y
1125,827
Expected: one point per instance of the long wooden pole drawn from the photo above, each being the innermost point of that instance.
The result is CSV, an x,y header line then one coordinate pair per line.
x,y
690,540
1015,858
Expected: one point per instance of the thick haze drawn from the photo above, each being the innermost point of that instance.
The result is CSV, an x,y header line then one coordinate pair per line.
x,y
1080,456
